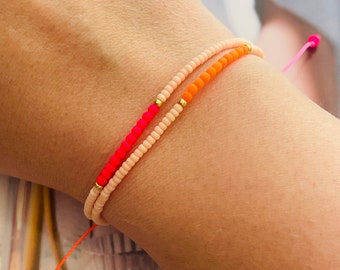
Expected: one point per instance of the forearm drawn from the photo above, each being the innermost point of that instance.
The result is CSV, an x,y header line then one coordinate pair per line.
x,y
235,182
247,178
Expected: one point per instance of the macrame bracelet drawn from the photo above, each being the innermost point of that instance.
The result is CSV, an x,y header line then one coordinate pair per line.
x,y
102,194
120,154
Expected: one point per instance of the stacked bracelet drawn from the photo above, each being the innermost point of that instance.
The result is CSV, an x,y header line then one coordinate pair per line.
x,y
99,194
106,184
115,161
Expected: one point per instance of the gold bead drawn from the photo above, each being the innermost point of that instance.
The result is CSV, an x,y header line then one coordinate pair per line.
x,y
249,46
97,186
182,102
158,102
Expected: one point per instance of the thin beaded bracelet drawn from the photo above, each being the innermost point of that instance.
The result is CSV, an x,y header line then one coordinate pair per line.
x,y
169,118
120,154
313,42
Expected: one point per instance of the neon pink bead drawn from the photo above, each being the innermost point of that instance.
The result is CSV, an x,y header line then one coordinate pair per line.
x,y
126,146
120,153
131,139
137,131
106,173
110,167
315,40
115,161
142,124
153,109
101,180
147,116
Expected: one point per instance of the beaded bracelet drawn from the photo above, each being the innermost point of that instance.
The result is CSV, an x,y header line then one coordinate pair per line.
x,y
117,158
105,192
313,42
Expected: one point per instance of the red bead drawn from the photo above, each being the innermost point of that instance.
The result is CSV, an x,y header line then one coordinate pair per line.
x,y
153,109
115,161
110,167
131,139
120,153
137,131
142,124
101,181
125,146
106,173
147,116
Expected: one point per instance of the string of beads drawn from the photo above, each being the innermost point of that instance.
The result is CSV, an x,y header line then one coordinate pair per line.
x,y
94,205
169,118
125,147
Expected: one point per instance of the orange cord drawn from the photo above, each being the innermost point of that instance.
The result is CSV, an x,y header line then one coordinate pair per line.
x,y
75,245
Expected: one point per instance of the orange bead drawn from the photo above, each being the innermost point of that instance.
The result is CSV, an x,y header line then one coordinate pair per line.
x,y
234,54
187,96
223,61
218,66
212,72
205,77
240,51
229,57
192,89
199,83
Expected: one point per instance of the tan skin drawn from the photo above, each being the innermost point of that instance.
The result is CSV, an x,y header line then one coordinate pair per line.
x,y
247,178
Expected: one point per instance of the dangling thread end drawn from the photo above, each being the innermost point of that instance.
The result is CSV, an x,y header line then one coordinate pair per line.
x,y
313,42
75,245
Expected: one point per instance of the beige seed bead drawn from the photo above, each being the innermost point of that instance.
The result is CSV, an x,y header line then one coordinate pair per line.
x,y
197,61
138,153
162,126
134,158
126,166
177,80
161,97
178,108
170,116
142,148
205,55
117,180
209,53
147,145
189,68
169,88
150,140
155,135
130,162
173,84
192,64
165,93
184,71
174,112
123,171
159,130
166,121
201,58
181,75
119,174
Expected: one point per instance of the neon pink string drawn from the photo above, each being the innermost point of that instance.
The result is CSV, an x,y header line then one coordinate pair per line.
x,y
313,42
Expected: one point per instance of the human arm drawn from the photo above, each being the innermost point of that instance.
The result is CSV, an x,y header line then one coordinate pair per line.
x,y
247,177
